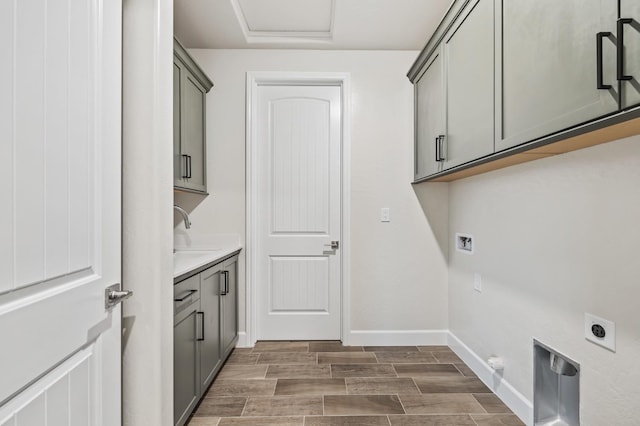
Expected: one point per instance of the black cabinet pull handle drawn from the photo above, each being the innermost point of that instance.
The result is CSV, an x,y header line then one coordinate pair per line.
x,y
599,38
185,166
439,146
189,172
186,295
225,288
620,68
200,339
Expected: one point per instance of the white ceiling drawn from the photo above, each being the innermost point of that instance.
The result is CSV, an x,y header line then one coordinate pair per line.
x,y
307,24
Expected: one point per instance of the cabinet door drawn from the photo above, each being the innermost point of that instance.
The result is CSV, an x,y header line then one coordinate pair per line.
x,y
210,310
186,383
548,66
468,52
429,116
630,9
177,158
192,132
230,306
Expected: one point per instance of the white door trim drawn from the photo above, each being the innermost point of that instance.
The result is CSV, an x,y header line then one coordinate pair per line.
x,y
254,79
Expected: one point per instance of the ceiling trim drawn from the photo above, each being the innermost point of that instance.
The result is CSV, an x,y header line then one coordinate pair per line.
x,y
257,37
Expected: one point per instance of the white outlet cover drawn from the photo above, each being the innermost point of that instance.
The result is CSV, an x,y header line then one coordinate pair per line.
x,y
609,339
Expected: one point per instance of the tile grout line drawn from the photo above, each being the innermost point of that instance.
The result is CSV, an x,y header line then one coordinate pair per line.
x,y
402,405
244,407
479,403
416,385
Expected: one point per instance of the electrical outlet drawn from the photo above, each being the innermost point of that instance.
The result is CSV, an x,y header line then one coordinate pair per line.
x,y
477,282
600,331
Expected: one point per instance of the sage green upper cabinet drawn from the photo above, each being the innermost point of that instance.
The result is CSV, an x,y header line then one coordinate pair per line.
x,y
190,85
192,134
502,82
547,66
177,161
429,117
629,27
469,63
454,93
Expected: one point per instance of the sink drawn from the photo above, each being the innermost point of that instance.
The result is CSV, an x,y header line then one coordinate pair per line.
x,y
190,256
193,251
184,261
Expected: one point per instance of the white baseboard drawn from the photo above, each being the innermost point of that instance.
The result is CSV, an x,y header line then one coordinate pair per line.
x,y
379,338
397,337
520,405
242,340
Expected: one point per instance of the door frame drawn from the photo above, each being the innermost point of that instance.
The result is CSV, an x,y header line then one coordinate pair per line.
x,y
255,79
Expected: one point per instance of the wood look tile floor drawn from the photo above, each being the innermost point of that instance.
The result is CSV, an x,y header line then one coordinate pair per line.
x,y
325,384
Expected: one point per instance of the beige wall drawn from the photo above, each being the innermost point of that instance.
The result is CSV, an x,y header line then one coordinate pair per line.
x,y
398,275
555,238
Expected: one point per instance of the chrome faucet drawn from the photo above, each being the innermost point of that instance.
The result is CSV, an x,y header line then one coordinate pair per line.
x,y
185,216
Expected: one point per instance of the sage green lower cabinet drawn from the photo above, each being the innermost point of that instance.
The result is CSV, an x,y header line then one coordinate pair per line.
x,y
229,306
630,25
205,331
548,67
186,386
210,353
186,353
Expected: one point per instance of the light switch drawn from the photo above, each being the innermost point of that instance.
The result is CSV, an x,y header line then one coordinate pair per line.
x,y
384,215
477,282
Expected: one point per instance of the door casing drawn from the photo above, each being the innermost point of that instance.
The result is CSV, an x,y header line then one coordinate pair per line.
x,y
255,79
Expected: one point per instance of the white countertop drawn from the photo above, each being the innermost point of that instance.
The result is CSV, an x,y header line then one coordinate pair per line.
x,y
195,251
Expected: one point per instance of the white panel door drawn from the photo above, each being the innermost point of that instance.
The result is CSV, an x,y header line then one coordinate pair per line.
x,y
299,191
60,108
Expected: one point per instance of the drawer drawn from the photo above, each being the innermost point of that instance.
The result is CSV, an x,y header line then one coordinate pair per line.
x,y
185,293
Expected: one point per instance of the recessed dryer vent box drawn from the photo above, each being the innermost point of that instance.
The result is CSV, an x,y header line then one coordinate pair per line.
x,y
464,243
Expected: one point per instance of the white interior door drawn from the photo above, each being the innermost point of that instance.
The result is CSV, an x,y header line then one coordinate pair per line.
x,y
60,107
298,212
